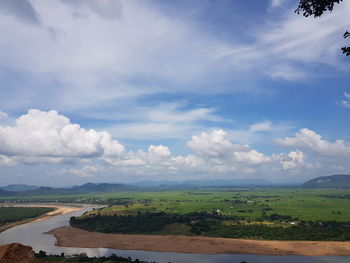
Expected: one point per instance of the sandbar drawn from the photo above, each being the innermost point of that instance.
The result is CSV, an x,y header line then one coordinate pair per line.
x,y
73,237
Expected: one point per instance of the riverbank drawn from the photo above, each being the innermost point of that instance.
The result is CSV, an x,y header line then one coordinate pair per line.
x,y
74,237
58,210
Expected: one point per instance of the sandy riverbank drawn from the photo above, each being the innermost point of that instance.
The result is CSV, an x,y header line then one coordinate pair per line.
x,y
74,237
58,210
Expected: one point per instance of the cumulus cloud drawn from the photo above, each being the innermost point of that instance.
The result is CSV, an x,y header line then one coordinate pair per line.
x,y
41,134
306,138
214,144
292,160
251,157
49,137
156,160
85,171
159,152
189,160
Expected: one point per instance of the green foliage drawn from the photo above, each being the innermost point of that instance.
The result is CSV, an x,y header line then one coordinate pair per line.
x,y
321,214
315,7
211,224
304,204
13,214
84,258
140,223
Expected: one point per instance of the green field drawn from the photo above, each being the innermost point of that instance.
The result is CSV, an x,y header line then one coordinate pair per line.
x,y
274,213
281,214
303,204
306,205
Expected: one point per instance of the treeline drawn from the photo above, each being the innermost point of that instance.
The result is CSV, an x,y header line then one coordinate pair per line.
x,y
84,258
140,223
13,214
213,224
326,231
70,199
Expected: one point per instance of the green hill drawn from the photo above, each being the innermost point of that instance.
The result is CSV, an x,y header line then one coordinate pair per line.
x,y
332,181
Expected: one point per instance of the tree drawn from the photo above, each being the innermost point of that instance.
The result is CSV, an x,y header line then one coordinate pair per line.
x,y
316,8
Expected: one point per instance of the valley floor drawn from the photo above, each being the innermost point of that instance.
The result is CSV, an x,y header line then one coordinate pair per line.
x,y
73,237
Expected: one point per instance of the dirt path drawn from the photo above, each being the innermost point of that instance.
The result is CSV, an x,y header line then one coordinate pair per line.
x,y
74,237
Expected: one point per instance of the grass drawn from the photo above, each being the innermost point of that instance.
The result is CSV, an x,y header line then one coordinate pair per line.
x,y
304,204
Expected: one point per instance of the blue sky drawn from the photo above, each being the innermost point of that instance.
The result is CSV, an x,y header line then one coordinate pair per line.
x,y
122,91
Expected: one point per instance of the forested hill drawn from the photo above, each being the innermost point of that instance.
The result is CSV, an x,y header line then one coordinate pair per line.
x,y
6,193
332,181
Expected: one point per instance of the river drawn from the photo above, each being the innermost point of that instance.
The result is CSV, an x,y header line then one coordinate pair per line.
x,y
32,234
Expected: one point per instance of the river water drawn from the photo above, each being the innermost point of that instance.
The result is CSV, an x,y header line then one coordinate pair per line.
x,y
32,234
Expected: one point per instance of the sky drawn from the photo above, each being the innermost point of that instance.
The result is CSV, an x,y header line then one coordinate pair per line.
x,y
127,91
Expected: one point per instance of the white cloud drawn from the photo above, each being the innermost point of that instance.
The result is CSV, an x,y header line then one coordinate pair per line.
x,y
306,138
252,157
133,161
286,72
307,39
262,126
85,171
164,121
214,144
109,57
3,115
216,147
346,102
296,160
159,152
277,3
41,134
189,160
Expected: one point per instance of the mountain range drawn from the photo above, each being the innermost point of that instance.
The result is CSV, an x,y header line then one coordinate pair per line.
x,y
332,181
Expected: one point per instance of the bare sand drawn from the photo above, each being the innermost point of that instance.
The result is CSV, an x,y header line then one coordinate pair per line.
x,y
59,210
74,237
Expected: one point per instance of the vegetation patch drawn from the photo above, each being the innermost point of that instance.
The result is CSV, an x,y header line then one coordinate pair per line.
x,y
15,214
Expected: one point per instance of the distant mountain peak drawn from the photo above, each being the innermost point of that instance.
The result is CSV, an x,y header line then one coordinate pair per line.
x,y
331,181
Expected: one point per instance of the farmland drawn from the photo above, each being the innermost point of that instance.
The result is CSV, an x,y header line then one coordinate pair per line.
x,y
303,204
306,205
265,213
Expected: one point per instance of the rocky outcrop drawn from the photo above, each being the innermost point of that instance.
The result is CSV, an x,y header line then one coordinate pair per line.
x,y
17,253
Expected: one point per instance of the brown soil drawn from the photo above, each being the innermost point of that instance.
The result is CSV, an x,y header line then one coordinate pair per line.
x,y
17,253
74,237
